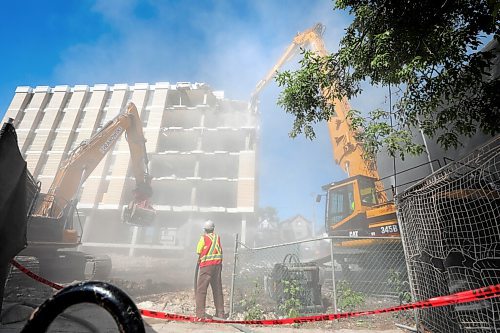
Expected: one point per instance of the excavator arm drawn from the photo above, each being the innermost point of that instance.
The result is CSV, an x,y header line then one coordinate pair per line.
x,y
347,152
74,171
357,205
311,36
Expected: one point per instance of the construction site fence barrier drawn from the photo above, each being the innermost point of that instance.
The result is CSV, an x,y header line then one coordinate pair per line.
x,y
319,276
480,294
451,234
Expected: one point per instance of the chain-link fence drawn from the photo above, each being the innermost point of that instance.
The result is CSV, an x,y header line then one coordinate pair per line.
x,y
299,278
452,240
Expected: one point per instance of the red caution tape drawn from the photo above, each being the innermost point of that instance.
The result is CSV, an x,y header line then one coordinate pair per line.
x,y
35,276
457,298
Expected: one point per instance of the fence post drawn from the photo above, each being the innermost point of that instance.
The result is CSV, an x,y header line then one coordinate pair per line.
x,y
407,263
334,288
233,276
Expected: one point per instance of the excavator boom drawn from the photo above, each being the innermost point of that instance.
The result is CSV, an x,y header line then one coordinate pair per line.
x,y
347,152
85,158
357,205
51,234
311,36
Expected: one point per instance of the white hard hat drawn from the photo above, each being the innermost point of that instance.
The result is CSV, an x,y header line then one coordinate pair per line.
x,y
209,225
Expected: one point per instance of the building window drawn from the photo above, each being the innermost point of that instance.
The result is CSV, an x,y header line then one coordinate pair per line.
x,y
29,143
51,142
80,120
66,100
42,168
87,100
149,100
111,165
101,120
105,187
128,97
59,120
108,99
74,143
145,117
28,101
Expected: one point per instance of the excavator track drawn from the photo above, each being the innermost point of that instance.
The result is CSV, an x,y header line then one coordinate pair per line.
x,y
99,266
63,267
18,278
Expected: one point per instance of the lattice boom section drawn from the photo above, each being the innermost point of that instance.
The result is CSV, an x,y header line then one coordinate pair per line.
x,y
451,232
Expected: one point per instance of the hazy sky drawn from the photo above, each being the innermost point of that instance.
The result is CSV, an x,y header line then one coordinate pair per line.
x,y
229,45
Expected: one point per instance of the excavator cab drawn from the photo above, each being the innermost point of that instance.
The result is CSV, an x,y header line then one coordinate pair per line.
x,y
347,200
356,208
341,203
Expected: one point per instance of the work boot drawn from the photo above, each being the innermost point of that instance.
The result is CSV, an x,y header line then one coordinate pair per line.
x,y
205,316
221,316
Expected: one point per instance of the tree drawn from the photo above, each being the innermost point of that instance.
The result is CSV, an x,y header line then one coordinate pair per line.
x,y
428,51
268,213
267,230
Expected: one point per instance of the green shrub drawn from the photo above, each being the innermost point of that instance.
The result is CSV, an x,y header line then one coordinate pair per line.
x,y
290,307
400,285
251,307
348,299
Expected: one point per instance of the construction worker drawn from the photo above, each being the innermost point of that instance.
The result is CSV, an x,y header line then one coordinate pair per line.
x,y
209,251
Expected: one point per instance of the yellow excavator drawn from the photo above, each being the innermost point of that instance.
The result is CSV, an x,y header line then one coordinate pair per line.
x,y
50,225
356,206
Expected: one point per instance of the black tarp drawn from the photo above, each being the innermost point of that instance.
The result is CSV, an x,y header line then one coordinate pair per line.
x,y
13,202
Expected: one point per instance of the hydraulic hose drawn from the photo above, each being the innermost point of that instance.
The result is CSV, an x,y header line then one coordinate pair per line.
x,y
196,270
118,304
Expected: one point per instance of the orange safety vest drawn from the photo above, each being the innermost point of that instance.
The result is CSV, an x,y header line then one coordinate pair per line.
x,y
211,254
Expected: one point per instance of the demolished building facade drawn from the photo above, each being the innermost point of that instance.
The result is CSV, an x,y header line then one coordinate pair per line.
x,y
202,150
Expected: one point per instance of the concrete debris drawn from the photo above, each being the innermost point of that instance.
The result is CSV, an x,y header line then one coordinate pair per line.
x,y
155,284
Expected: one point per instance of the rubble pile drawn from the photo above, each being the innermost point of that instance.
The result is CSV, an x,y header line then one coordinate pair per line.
x,y
153,287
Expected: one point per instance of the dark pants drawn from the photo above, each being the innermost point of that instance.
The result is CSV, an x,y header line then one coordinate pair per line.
x,y
209,275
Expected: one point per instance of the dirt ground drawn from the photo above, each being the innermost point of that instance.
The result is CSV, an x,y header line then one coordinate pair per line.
x,y
166,285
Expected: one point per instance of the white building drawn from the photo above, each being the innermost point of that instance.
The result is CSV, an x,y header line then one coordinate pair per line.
x,y
202,150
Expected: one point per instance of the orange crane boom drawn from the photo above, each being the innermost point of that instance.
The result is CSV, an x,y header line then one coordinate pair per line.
x,y
347,151
357,205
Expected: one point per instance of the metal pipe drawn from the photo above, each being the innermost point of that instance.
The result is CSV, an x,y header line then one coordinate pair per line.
x,y
315,240
196,272
425,145
407,263
405,327
334,288
231,296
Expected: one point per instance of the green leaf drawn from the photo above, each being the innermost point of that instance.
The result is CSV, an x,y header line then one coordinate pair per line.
x,y
429,49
